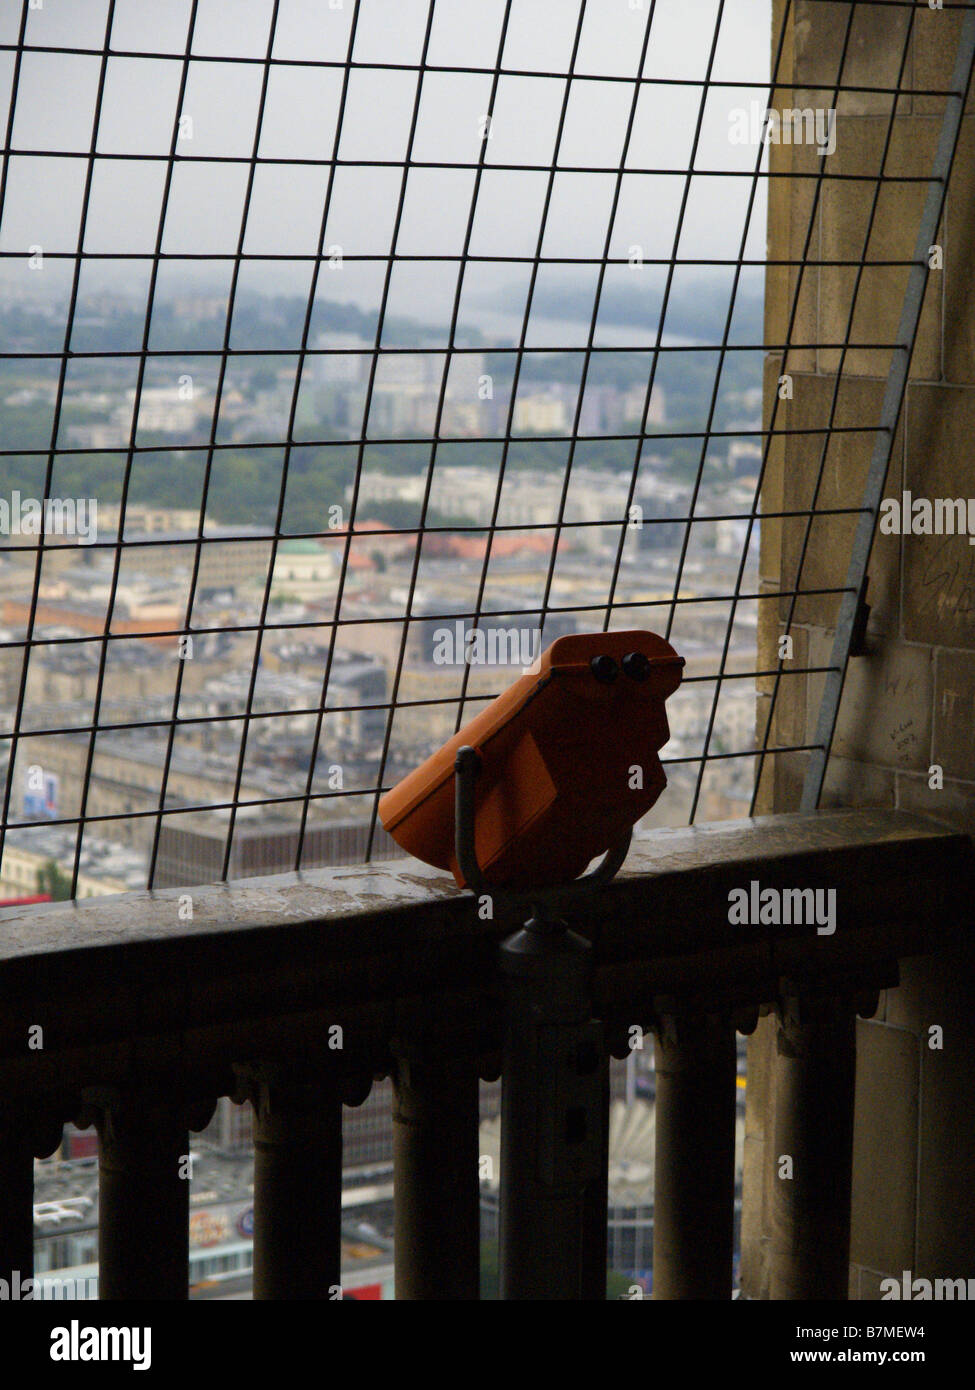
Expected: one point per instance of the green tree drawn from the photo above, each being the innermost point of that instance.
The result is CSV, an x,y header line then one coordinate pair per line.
x,y
53,882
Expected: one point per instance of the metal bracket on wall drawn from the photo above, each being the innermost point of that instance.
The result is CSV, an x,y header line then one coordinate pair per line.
x,y
858,634
851,601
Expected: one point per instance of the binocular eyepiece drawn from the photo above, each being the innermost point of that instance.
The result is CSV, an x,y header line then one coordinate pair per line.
x,y
635,665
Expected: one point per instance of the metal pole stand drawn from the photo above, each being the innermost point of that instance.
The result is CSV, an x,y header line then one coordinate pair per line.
x,y
555,1083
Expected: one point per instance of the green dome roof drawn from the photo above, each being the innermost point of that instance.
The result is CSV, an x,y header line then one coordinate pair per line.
x,y
302,547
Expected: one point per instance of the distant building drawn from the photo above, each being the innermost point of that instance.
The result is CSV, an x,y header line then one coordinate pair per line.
x,y
402,410
147,521
95,435
634,401
88,615
347,363
161,411
540,413
106,867
191,847
304,569
465,376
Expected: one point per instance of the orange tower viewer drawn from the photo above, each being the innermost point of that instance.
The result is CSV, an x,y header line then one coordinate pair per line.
x,y
568,763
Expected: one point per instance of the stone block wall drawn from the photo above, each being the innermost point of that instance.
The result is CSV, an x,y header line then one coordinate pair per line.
x,y
909,701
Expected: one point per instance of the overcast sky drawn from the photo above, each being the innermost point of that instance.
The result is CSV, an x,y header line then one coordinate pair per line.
x,y
56,100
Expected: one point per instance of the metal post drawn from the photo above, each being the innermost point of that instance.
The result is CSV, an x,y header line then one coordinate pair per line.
x,y
555,1081
553,1118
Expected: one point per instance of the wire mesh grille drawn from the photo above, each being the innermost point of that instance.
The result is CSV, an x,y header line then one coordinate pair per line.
x,y
355,350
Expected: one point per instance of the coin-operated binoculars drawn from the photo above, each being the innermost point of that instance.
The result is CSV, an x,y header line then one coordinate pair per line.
x,y
550,777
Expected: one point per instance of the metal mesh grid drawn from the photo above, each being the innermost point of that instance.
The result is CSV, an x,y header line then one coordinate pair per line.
x,y
558,184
